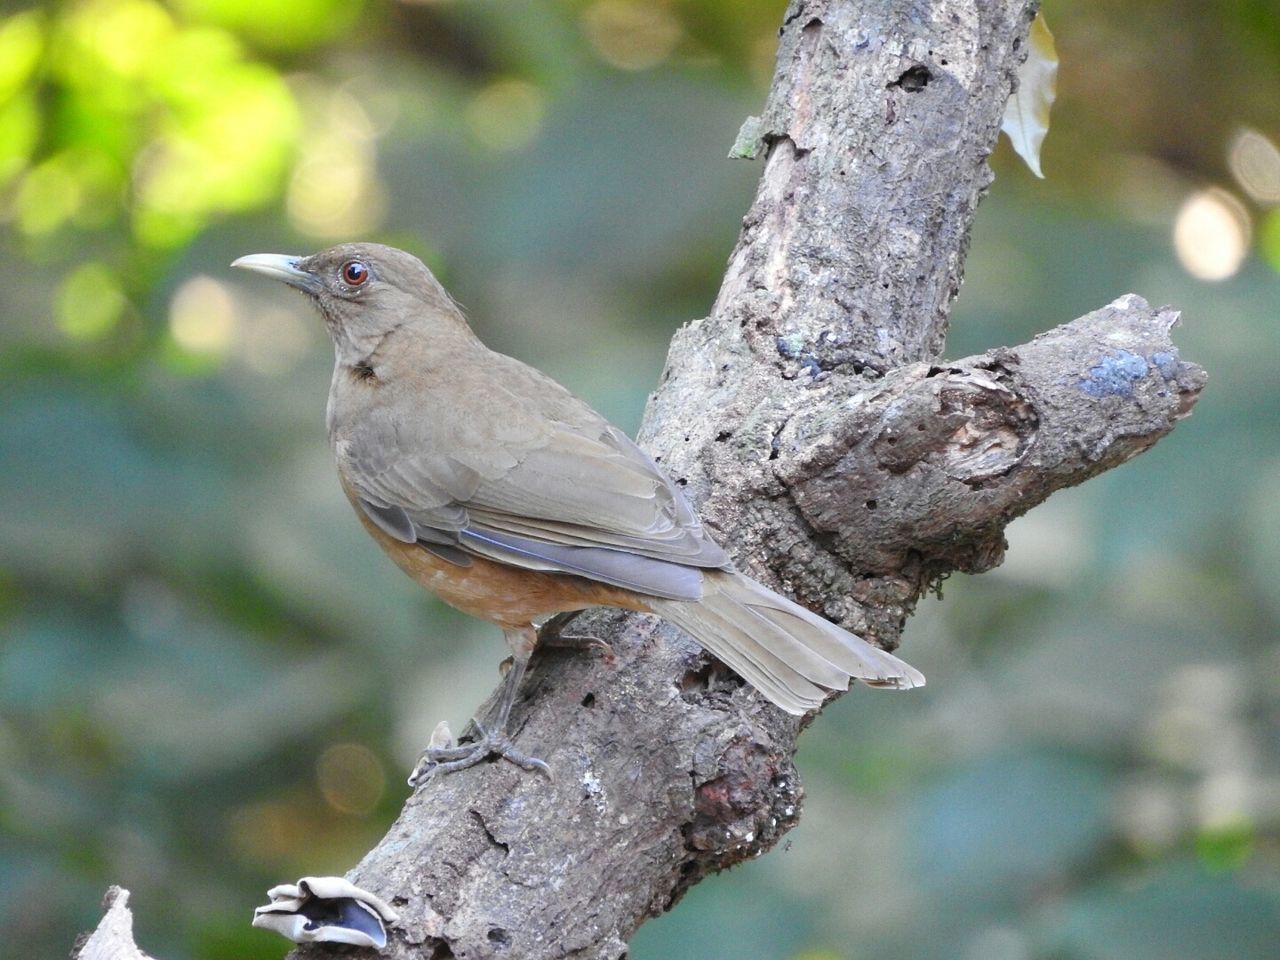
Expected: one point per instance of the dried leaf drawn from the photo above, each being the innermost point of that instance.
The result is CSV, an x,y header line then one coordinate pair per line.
x,y
1026,115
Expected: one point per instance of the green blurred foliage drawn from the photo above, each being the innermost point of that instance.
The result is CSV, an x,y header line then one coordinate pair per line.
x,y
210,682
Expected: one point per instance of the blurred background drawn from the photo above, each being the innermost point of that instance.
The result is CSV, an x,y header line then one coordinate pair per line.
x,y
211,681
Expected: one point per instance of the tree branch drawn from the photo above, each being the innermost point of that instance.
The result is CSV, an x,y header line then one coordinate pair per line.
x,y
825,446
925,468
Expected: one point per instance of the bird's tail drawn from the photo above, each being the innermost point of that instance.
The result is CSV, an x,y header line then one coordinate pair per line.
x,y
788,653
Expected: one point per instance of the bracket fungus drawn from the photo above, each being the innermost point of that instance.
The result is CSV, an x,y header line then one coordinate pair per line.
x,y
326,909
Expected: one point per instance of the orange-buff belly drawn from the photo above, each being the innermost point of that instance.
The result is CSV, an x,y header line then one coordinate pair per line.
x,y
509,596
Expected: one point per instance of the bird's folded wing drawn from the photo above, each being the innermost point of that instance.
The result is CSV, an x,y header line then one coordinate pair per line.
x,y
600,491
585,500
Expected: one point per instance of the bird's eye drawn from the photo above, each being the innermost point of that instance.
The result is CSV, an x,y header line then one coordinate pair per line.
x,y
354,273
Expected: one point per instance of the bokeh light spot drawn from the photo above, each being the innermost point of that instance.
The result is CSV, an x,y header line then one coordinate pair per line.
x,y
225,152
1211,234
203,318
120,35
47,197
90,301
506,115
350,777
21,40
334,191
1255,163
379,104
631,34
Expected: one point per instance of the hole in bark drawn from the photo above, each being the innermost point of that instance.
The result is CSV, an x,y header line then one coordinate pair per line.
x,y
682,482
914,79
499,936
696,679
871,504
891,440
920,427
589,700
363,372
442,952
723,435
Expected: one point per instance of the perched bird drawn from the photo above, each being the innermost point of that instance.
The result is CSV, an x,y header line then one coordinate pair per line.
x,y
508,497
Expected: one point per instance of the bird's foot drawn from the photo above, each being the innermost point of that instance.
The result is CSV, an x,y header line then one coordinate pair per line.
x,y
443,756
577,641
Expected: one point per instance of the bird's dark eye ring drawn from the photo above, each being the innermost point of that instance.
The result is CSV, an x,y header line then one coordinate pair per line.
x,y
354,273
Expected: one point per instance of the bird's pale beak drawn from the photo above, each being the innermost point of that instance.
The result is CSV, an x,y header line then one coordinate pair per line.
x,y
280,266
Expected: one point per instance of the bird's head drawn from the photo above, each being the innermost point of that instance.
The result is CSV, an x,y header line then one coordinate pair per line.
x,y
363,290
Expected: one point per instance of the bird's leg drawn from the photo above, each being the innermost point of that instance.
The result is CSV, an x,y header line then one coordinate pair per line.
x,y
493,739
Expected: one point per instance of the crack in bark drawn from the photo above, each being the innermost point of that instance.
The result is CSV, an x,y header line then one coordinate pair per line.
x,y
484,827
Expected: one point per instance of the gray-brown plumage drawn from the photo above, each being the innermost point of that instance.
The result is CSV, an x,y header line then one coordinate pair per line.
x,y
500,491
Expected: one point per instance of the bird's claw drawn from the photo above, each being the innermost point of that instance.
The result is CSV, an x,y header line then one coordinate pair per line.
x,y
576,641
450,758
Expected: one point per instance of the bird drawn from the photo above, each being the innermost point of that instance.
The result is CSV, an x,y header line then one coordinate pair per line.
x,y
501,492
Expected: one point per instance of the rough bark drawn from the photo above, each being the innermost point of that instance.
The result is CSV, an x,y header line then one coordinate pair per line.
x,y
828,448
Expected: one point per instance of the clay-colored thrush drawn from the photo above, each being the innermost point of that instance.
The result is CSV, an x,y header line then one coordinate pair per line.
x,y
498,490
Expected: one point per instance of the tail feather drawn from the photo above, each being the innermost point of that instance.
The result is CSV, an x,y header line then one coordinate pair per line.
x,y
788,653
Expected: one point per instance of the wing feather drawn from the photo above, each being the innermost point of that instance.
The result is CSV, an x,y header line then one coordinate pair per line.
x,y
566,492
